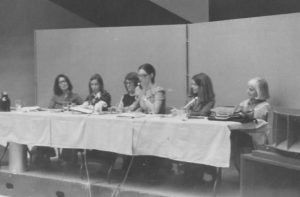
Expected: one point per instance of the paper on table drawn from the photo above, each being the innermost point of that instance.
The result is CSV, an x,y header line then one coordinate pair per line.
x,y
131,115
81,109
31,108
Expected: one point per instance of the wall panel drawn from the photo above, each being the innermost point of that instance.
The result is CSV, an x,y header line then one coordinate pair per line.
x,y
234,51
112,52
231,52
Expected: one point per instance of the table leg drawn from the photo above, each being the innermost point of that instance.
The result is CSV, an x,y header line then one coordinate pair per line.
x,y
217,181
17,157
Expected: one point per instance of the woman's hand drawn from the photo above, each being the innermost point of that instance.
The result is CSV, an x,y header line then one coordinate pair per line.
x,y
148,104
85,104
100,105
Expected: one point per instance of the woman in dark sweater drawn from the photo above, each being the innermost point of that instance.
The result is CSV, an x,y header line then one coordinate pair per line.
x,y
98,97
203,101
130,82
203,95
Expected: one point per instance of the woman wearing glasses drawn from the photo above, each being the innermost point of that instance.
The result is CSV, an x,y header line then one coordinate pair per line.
x,y
151,99
131,81
63,96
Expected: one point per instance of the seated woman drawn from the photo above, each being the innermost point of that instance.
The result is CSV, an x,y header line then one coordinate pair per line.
x,y
151,99
202,90
63,95
127,101
98,98
127,104
203,101
256,106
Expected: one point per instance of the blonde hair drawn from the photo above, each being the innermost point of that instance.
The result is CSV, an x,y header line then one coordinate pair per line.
x,y
261,87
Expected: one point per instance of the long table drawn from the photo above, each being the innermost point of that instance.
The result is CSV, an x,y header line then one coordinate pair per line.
x,y
190,140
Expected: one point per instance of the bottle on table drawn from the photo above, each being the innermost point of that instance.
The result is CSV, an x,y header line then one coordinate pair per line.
x,y
5,102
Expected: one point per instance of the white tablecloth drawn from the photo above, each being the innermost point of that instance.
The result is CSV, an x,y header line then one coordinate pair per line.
x,y
194,140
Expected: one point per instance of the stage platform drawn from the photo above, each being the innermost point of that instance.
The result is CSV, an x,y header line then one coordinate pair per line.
x,y
67,181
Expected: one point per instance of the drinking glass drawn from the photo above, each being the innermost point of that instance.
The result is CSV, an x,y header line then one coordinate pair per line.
x,y
18,105
66,106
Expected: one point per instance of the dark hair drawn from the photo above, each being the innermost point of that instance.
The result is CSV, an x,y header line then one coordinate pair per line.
x,y
204,80
132,76
149,69
99,79
56,89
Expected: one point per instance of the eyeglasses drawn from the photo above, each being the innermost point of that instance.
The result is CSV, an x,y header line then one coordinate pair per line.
x,y
142,75
129,82
62,81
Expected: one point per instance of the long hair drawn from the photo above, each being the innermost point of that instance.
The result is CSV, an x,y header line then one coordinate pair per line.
x,y
207,94
149,69
56,89
99,79
132,76
261,87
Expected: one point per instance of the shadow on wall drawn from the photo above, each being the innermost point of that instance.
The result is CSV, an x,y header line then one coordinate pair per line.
x,y
109,13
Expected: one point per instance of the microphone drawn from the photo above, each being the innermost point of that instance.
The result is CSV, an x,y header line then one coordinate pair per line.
x,y
190,103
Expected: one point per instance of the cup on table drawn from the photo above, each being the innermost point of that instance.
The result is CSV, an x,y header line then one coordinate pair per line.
x,y
66,106
18,105
173,112
113,109
181,113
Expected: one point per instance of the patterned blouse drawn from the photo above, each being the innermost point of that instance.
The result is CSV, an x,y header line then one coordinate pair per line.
x,y
258,108
152,100
93,99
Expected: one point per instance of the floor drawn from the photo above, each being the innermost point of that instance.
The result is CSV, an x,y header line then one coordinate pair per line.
x,y
171,185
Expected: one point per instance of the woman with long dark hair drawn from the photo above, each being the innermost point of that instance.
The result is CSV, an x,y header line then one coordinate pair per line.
x,y
98,97
203,95
63,96
203,101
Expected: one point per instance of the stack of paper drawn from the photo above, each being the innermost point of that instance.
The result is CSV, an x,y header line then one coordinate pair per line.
x,y
131,115
81,109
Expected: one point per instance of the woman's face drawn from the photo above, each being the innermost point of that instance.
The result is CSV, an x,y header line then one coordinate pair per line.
x,y
95,86
195,87
145,78
251,91
63,84
130,86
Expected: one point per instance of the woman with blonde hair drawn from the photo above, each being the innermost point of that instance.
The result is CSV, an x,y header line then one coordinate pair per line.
x,y
255,107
